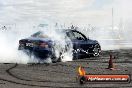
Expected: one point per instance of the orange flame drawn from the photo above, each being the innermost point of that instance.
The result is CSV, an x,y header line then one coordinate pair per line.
x,y
81,71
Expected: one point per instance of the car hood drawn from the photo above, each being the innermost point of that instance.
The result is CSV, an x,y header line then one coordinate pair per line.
x,y
90,41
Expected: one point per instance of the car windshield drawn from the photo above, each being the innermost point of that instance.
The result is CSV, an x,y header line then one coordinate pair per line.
x,y
39,34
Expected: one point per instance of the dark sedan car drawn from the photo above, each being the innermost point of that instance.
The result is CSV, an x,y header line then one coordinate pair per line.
x,y
42,46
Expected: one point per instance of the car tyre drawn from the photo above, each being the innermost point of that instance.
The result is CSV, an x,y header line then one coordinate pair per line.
x,y
96,50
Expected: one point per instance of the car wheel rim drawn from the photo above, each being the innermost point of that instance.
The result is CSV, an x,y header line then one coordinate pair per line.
x,y
96,51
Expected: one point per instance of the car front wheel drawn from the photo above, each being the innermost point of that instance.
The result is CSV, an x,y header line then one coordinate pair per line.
x,y
96,50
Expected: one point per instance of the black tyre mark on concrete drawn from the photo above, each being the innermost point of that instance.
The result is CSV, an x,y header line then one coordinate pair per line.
x,y
56,64
23,83
8,71
10,81
52,70
63,65
2,83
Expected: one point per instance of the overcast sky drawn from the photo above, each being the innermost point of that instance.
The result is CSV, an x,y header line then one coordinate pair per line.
x,y
96,12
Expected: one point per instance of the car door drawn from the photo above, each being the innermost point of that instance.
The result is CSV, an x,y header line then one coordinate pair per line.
x,y
79,42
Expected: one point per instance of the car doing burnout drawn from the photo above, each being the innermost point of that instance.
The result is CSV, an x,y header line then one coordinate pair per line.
x,y
42,46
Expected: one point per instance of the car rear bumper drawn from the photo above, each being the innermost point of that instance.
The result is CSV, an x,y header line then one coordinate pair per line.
x,y
41,53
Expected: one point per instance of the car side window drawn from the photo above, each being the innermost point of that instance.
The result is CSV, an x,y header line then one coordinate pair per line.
x,y
71,35
78,36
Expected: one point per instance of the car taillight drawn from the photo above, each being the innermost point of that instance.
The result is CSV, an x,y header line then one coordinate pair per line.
x,y
44,45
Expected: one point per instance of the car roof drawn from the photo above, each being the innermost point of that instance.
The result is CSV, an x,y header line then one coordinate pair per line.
x,y
62,30
68,30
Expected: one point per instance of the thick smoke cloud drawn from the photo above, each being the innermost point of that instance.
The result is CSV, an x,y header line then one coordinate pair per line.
x,y
93,19
11,34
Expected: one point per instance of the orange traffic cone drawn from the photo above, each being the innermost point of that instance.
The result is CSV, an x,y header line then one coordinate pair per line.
x,y
111,65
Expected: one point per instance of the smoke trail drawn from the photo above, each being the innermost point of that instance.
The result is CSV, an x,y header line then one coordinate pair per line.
x,y
62,44
8,49
9,44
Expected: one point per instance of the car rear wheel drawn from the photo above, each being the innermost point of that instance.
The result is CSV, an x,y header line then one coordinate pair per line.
x,y
56,59
54,56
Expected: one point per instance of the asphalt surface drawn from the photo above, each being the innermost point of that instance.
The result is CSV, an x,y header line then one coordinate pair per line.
x,y
63,74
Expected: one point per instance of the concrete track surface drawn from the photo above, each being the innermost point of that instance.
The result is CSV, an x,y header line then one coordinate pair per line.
x,y
63,74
